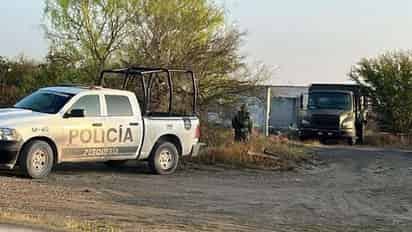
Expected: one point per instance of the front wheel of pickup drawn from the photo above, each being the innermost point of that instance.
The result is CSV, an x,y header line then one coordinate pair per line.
x,y
36,159
165,159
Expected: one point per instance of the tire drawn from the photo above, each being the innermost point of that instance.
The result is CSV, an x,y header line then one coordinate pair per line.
x,y
361,134
164,159
323,141
36,159
115,163
351,141
302,136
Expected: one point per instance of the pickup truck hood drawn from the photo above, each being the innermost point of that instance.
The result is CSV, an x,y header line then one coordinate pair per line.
x,y
12,116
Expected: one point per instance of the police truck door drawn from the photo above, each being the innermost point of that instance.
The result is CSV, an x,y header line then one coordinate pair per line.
x,y
123,125
83,132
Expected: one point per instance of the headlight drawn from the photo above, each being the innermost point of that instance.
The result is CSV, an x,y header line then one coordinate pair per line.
x,y
305,122
7,134
347,124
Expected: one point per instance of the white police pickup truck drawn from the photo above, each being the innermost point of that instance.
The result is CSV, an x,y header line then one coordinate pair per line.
x,y
97,124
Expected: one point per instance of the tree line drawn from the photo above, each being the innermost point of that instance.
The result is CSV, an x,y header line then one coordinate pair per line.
x,y
87,36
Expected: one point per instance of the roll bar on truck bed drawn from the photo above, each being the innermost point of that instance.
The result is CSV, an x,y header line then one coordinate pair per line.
x,y
146,76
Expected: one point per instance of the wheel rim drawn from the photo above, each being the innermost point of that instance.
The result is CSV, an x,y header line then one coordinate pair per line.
x,y
39,160
166,159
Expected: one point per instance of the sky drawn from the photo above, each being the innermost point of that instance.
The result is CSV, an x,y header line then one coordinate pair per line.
x,y
306,41
21,32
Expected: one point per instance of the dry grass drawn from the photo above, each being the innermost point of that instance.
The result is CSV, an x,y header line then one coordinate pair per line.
x,y
262,152
381,139
45,222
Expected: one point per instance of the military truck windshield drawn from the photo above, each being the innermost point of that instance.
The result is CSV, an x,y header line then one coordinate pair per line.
x,y
339,101
44,101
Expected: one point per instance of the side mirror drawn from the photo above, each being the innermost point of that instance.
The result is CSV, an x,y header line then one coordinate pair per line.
x,y
75,113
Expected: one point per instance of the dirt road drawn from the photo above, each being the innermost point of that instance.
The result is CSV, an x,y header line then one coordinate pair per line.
x,y
12,228
356,189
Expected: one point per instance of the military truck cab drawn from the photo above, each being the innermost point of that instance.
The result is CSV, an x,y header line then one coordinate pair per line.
x,y
73,123
333,111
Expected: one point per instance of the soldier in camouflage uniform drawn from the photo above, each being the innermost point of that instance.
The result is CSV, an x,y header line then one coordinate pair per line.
x,y
242,124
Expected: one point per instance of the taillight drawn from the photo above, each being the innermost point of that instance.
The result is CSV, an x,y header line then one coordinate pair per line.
x,y
197,133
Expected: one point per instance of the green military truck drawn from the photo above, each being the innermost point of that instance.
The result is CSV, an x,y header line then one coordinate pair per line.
x,y
333,111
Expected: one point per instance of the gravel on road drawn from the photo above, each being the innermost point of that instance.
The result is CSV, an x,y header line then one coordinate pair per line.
x,y
351,189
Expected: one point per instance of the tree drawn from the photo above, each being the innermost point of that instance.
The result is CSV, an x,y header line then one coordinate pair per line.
x,y
87,32
3,69
191,34
387,79
21,76
3,73
17,78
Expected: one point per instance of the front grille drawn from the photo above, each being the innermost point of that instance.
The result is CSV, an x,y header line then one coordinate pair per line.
x,y
325,122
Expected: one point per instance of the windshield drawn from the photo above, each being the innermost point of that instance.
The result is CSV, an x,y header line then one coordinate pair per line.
x,y
340,101
44,101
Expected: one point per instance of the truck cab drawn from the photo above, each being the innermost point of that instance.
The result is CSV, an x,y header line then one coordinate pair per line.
x,y
74,123
334,111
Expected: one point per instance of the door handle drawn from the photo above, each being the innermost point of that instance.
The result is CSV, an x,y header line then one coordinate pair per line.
x,y
134,124
97,124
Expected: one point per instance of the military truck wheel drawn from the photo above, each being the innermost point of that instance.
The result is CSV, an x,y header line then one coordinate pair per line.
x,y
302,138
165,159
361,134
36,159
115,163
323,141
351,141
